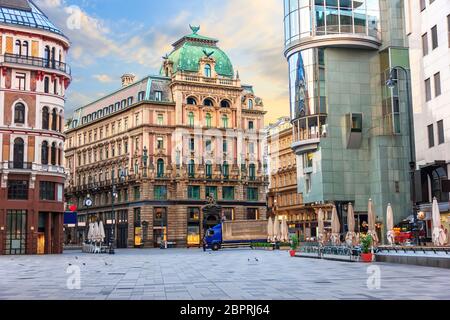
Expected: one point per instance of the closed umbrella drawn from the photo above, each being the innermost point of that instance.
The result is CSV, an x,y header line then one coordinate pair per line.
x,y
321,230
102,234
439,236
285,230
270,230
335,227
371,223
351,235
96,235
276,230
91,232
390,225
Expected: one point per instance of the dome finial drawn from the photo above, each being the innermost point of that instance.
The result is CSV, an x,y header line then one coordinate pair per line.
x,y
194,29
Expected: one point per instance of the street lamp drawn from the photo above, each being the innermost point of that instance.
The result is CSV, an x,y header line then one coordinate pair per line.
x,y
114,195
88,204
391,83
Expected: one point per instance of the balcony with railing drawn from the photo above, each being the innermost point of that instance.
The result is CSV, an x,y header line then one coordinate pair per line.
x,y
181,76
308,131
9,58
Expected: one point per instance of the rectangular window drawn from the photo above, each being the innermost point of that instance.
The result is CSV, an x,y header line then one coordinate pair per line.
x,y
425,44
160,120
21,81
137,193
194,192
192,144
193,214
158,95
252,194
211,192
47,191
251,125
430,136
228,193
208,145
17,190
228,214
160,193
160,143
137,216
252,214
441,133
434,37
437,84
428,89
225,145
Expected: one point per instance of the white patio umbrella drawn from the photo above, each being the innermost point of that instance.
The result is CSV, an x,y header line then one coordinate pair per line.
x,y
270,233
371,223
439,236
102,234
285,230
91,232
351,235
390,225
276,230
335,227
320,218
96,236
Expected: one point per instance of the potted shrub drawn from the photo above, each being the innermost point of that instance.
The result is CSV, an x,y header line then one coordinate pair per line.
x,y
366,246
294,245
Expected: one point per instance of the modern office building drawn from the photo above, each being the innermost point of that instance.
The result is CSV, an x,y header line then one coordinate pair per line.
x,y
428,30
33,81
164,145
351,132
283,198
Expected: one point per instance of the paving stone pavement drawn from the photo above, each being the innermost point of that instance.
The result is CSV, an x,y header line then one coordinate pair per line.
x,y
191,274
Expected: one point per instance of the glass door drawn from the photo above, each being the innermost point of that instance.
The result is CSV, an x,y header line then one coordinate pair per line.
x,y
16,226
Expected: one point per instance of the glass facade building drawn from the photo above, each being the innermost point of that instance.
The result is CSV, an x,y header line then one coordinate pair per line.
x,y
309,18
350,131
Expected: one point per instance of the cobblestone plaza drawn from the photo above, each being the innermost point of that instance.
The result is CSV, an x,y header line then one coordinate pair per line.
x,y
181,274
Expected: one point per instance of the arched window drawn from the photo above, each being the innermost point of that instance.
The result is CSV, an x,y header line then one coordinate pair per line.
x,y
252,171
209,169
191,101
208,103
160,168
25,48
191,168
208,120
19,148
250,104
53,154
54,120
225,121
45,119
224,104
19,113
46,85
19,47
55,86
47,56
226,169
191,119
53,57
44,153
208,71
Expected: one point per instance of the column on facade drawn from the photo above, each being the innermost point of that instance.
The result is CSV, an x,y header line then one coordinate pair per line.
x,y
48,233
2,230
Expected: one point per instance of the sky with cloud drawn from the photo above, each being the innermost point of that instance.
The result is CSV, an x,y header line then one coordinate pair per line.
x,y
113,37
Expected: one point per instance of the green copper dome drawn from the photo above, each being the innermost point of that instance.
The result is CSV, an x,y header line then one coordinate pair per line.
x,y
191,48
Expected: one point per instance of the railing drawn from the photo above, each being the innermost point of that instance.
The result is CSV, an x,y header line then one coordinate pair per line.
x,y
37,62
20,165
196,78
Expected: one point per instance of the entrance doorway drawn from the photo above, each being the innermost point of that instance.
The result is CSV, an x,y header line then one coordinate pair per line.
x,y
16,228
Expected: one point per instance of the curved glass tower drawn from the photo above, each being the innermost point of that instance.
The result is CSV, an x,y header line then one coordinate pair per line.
x,y
350,132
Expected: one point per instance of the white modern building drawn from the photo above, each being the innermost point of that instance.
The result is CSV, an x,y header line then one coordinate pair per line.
x,y
428,30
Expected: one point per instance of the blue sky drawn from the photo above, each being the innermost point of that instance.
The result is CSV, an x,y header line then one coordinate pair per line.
x,y
116,37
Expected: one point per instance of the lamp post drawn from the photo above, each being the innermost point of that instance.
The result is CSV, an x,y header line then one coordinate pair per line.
x,y
113,196
391,83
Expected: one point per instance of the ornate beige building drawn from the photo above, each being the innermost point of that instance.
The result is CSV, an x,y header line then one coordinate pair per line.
x,y
33,82
166,143
283,198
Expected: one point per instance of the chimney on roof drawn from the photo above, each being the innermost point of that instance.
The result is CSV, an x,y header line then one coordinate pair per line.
x,y
127,79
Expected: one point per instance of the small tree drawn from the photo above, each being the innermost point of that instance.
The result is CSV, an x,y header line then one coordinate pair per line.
x,y
366,244
294,242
